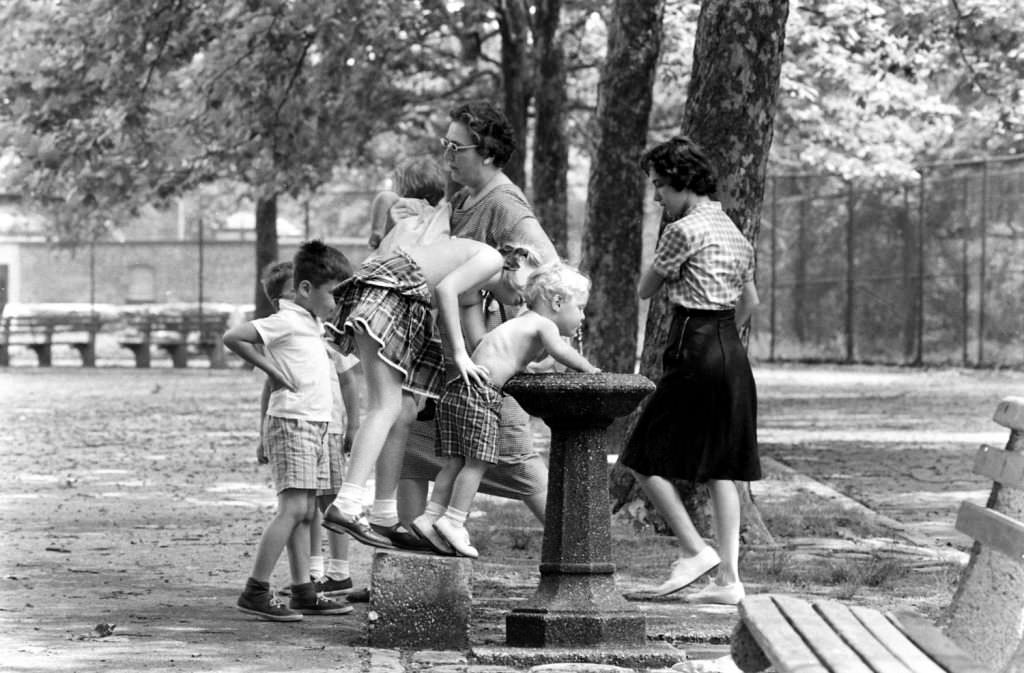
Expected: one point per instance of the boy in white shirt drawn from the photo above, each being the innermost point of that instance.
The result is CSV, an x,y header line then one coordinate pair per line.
x,y
295,429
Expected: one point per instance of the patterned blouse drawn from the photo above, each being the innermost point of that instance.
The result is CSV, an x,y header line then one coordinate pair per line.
x,y
705,259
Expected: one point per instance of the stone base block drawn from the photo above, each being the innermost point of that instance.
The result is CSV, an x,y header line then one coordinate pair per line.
x,y
419,601
651,655
567,629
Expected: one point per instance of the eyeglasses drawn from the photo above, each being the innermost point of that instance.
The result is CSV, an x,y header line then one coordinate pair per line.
x,y
453,147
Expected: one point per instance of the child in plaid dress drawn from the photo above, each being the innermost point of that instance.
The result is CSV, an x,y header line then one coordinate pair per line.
x,y
469,411
385,315
288,346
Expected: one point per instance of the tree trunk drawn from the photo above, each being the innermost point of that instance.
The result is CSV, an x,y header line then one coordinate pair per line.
x,y
550,145
730,110
266,247
613,233
514,24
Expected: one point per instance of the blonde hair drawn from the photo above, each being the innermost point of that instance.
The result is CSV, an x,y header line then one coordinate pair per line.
x,y
521,261
556,280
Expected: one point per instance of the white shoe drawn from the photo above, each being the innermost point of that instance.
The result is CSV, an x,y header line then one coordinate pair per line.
x,y
720,594
686,571
424,527
456,536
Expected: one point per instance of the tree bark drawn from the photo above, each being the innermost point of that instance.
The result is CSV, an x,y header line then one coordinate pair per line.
x,y
514,25
613,233
550,144
729,111
266,248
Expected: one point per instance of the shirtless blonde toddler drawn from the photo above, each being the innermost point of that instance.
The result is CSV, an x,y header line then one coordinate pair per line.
x,y
468,412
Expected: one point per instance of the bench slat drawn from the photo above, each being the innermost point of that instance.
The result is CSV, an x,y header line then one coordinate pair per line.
x,y
829,647
782,645
897,643
1010,413
1004,467
992,528
859,638
931,640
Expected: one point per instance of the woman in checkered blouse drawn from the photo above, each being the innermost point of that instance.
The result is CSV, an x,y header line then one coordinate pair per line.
x,y
700,424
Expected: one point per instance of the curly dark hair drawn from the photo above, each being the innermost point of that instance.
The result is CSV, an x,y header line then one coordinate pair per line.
x,y
319,263
683,164
490,129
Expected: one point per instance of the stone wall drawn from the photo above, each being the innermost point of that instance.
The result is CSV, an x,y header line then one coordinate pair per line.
x,y
153,271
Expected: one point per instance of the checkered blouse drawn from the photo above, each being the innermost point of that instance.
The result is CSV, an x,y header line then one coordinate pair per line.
x,y
705,259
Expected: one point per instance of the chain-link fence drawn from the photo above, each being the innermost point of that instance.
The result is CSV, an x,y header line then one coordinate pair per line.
x,y
923,273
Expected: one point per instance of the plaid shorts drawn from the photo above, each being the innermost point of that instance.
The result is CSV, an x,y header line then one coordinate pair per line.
x,y
468,421
297,451
335,463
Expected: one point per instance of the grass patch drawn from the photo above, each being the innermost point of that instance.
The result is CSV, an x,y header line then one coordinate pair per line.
x,y
808,515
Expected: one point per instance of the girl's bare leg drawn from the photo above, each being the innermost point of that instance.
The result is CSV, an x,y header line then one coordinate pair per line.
x,y
725,506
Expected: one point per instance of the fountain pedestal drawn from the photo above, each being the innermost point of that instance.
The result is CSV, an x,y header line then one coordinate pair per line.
x,y
576,603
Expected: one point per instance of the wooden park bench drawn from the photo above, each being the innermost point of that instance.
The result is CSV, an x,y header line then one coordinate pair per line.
x,y
178,335
41,333
984,625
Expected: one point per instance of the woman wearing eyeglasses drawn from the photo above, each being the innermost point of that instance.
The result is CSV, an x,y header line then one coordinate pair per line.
x,y
490,208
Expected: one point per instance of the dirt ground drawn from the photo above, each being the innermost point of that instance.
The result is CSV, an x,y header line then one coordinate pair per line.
x,y
133,500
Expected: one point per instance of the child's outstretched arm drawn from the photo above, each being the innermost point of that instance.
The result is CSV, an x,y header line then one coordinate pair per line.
x,y
561,351
242,340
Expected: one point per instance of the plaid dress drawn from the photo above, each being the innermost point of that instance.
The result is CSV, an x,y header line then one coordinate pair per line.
x,y
389,298
468,417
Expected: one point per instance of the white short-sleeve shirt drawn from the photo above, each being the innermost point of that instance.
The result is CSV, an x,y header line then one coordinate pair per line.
x,y
294,341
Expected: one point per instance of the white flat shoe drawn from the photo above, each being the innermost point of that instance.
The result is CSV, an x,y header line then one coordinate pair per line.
x,y
686,571
456,536
718,594
423,527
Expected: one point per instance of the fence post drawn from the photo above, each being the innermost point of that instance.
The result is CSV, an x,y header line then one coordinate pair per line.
x,y
965,272
850,275
983,262
919,359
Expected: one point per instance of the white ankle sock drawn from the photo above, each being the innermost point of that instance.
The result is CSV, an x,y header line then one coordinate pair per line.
x,y
316,566
338,568
434,511
350,498
384,512
456,516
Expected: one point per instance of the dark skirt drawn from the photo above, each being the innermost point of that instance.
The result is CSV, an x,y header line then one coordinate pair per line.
x,y
701,422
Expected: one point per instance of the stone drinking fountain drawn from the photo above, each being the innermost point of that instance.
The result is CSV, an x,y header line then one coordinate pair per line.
x,y
577,606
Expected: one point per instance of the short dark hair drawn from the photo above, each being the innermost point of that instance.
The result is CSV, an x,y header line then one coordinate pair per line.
x,y
490,129
421,178
683,164
276,276
320,263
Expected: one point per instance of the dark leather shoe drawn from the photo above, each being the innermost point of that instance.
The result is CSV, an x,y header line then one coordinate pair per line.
x,y
358,527
402,538
359,596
